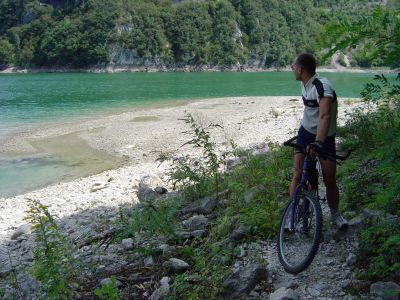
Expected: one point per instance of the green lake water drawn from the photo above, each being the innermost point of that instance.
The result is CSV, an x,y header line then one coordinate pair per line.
x,y
41,98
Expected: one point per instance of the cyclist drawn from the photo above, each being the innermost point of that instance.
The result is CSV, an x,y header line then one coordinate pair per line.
x,y
318,129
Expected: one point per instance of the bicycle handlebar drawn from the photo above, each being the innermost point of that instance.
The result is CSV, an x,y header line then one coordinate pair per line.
x,y
319,151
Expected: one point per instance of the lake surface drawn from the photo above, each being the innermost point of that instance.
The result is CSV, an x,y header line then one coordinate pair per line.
x,y
28,100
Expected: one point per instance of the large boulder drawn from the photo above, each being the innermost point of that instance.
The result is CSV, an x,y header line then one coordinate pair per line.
x,y
196,222
203,206
146,194
151,181
175,265
243,281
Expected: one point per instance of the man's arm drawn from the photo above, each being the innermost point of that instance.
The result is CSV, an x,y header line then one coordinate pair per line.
x,y
323,119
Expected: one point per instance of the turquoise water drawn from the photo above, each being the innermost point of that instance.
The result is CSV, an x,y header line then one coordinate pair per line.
x,y
27,99
32,99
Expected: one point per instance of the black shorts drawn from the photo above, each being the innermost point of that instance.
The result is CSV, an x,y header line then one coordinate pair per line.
x,y
304,138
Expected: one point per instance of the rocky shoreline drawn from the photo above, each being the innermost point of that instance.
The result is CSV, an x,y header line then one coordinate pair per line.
x,y
185,68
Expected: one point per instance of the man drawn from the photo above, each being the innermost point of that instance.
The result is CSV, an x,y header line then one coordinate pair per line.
x,y
318,129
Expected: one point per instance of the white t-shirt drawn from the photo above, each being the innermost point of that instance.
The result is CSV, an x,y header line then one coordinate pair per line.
x,y
315,89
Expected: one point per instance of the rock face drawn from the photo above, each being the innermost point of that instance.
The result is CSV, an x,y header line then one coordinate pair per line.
x,y
243,281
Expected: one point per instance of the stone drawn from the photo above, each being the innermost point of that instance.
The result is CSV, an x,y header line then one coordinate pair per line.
x,y
198,233
29,285
108,281
330,262
203,206
151,181
23,229
184,235
372,214
351,259
176,265
225,243
162,291
288,284
254,294
242,252
259,149
250,194
98,186
127,244
232,162
165,280
243,281
239,233
345,283
146,193
148,261
386,290
284,294
196,222
313,292
161,190
356,222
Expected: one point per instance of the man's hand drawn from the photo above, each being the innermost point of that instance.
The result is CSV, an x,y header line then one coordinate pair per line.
x,y
314,147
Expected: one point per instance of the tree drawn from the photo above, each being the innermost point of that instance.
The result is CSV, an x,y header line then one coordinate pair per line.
x,y
378,33
6,53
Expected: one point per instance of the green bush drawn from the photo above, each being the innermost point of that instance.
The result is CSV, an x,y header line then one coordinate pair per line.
x,y
380,252
371,177
54,266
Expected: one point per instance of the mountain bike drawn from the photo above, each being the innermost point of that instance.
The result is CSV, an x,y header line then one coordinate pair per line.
x,y
300,229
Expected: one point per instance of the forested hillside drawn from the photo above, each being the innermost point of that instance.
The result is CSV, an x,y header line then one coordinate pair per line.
x,y
250,33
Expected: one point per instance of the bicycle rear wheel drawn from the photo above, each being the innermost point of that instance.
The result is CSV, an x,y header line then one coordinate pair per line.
x,y
298,242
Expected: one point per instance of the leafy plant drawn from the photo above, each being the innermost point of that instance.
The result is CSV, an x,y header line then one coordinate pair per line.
x,y
54,266
197,176
108,291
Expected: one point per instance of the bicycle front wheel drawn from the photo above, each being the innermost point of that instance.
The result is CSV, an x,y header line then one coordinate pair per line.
x,y
299,237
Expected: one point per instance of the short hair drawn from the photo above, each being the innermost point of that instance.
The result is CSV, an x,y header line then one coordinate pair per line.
x,y
307,62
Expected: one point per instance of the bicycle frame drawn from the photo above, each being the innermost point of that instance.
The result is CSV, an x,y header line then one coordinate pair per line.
x,y
304,183
305,174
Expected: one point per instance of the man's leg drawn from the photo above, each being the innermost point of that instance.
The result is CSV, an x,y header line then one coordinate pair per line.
x,y
298,169
332,192
329,175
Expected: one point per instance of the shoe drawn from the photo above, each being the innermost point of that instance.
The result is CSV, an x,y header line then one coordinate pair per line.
x,y
340,222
